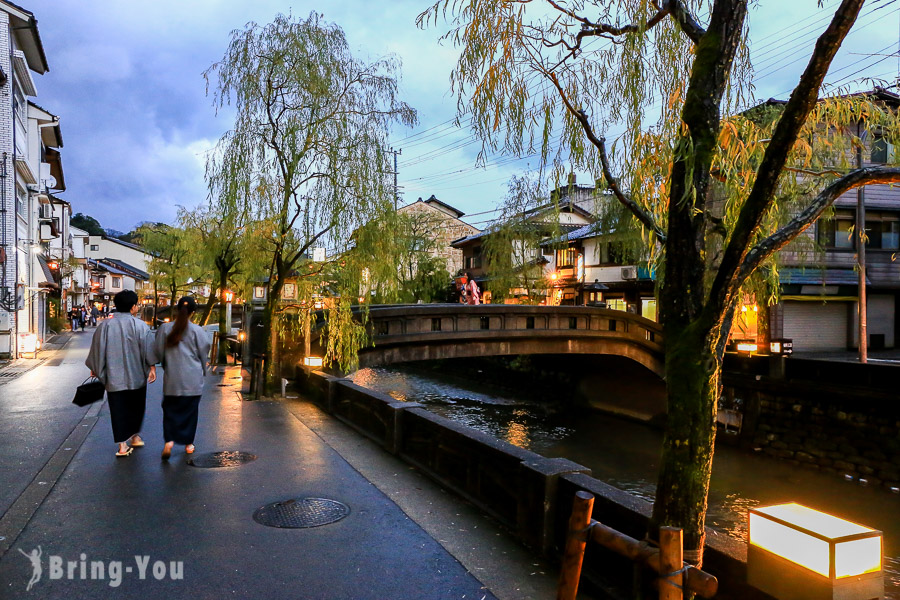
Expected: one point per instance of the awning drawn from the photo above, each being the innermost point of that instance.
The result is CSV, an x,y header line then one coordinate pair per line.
x,y
53,157
44,277
818,276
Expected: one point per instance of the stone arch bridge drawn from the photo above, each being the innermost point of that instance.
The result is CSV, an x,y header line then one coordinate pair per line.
x,y
413,332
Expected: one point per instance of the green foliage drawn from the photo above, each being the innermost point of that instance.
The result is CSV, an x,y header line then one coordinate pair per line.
x,y
430,282
173,255
346,335
87,223
512,249
306,157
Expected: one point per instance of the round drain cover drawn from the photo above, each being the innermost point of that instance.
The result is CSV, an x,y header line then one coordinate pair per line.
x,y
228,458
299,513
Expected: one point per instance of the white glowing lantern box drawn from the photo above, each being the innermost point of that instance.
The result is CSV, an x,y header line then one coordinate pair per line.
x,y
797,553
313,361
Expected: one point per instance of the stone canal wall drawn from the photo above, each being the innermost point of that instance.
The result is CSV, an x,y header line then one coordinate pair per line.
x,y
838,418
529,494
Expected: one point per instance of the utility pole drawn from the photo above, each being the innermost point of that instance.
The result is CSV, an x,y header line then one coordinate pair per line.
x,y
396,191
861,258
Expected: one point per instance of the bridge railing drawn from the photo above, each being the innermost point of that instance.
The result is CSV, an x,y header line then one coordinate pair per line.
x,y
408,320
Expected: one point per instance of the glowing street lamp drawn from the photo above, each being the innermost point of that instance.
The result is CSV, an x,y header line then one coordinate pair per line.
x,y
798,553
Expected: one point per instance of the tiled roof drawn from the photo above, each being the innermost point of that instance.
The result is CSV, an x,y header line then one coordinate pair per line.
x,y
121,264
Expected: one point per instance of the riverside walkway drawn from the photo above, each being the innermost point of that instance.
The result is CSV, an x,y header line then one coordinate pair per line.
x,y
172,530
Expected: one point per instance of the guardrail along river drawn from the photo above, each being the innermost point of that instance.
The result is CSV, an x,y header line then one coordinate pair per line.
x,y
625,454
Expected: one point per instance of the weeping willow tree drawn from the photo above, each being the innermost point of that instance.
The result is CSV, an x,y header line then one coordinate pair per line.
x,y
512,248
219,232
716,190
306,153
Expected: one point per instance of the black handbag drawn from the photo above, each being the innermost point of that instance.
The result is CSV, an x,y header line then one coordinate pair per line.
x,y
89,392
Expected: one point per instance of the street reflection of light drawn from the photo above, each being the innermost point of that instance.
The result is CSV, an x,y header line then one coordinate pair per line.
x,y
517,435
398,396
230,424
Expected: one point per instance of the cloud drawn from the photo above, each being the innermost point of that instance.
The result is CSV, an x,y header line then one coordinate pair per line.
x,y
126,81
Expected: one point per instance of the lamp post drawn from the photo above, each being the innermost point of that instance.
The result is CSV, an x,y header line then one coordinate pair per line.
x,y
227,296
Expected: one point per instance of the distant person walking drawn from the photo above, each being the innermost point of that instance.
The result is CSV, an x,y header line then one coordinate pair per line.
x,y
94,315
120,357
473,294
183,350
73,316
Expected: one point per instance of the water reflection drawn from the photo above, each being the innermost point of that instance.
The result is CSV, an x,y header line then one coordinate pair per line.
x,y
626,455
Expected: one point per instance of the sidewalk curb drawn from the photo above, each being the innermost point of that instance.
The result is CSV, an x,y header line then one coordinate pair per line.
x,y
14,520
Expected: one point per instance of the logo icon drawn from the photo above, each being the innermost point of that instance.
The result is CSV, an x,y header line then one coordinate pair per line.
x,y
35,557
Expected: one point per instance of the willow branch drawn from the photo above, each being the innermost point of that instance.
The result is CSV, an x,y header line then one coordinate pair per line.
x,y
600,143
796,111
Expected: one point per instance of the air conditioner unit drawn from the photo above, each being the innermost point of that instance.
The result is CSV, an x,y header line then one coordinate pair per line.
x,y
46,211
629,272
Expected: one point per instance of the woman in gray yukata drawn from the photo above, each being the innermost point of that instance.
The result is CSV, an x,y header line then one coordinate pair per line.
x,y
183,349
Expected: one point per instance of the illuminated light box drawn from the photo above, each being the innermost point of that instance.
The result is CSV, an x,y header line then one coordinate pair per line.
x,y
313,361
798,553
748,347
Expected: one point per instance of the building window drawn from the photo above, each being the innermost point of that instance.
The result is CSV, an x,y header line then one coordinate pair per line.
x,y
21,204
837,232
882,151
882,230
95,248
116,282
566,257
616,304
19,104
648,308
474,261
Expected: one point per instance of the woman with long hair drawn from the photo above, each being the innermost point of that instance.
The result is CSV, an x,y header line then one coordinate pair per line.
x,y
183,350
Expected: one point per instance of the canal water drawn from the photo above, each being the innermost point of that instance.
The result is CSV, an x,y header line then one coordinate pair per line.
x,y
625,453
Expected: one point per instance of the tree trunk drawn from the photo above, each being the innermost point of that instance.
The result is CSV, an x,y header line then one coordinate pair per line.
x,y
210,304
688,445
155,303
273,370
224,325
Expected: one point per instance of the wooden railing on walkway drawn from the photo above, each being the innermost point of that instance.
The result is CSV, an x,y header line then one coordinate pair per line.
x,y
676,576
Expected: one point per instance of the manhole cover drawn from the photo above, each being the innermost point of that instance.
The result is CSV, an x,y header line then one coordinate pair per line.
x,y
299,513
228,458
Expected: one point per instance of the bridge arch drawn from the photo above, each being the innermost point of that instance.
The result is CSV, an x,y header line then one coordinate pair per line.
x,y
404,333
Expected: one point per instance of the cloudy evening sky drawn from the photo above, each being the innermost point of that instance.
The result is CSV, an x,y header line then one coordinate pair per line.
x,y
125,79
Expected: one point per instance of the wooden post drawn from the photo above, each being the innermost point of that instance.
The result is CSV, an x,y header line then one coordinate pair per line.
x,y
670,561
576,539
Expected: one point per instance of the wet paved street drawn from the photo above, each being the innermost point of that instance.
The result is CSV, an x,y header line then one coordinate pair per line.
x,y
123,515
